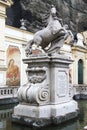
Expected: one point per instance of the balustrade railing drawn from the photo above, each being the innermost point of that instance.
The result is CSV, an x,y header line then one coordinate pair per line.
x,y
4,114
80,89
8,92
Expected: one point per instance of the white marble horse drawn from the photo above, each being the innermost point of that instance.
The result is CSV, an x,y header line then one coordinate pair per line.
x,y
54,32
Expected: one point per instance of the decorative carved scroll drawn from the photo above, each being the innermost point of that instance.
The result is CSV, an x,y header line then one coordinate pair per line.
x,y
36,74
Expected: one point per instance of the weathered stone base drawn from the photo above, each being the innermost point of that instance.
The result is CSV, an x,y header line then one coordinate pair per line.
x,y
31,121
77,97
39,116
83,96
43,122
80,96
8,101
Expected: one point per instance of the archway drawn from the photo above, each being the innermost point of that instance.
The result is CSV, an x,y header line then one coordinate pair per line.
x,y
80,72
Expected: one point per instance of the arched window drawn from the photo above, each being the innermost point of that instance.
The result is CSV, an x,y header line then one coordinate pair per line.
x,y
80,72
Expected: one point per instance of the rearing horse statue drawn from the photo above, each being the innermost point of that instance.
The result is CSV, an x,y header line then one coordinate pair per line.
x,y
54,33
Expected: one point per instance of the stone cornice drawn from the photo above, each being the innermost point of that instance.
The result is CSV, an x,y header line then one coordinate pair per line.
x,y
79,48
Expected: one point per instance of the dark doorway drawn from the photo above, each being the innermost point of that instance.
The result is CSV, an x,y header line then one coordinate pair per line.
x,y
80,72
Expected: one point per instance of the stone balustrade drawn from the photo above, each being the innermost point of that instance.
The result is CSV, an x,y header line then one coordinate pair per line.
x,y
80,91
5,114
8,92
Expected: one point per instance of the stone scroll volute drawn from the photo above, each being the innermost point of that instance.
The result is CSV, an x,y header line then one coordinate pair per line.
x,y
37,89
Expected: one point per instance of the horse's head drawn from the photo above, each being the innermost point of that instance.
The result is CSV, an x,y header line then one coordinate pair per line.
x,y
53,10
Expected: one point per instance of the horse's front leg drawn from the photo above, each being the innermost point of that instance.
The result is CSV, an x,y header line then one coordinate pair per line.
x,y
28,49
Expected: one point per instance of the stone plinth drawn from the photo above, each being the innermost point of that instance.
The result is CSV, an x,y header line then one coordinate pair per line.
x,y
45,98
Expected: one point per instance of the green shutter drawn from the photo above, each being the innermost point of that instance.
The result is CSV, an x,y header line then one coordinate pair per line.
x,y
80,72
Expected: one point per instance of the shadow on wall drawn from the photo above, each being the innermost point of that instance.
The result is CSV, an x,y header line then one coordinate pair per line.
x,y
14,14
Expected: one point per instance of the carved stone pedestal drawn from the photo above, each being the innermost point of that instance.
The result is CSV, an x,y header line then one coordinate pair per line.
x,y
46,98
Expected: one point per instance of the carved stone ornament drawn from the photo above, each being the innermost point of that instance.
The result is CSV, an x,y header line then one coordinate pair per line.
x,y
35,79
34,94
36,91
53,34
36,74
